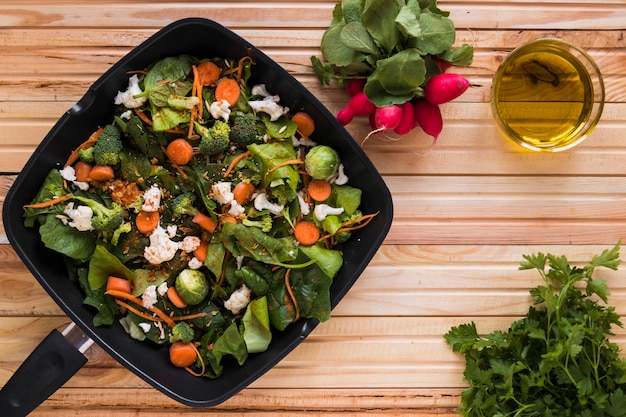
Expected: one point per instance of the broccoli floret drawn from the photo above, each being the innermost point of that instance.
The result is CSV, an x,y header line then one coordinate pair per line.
x,y
182,332
264,223
86,155
215,139
244,130
183,205
106,150
104,218
124,228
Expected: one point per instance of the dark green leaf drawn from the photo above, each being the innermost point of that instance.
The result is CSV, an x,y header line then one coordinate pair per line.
x,y
355,36
379,18
438,33
402,73
334,50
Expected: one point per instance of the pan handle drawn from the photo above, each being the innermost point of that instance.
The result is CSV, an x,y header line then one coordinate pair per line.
x,y
45,370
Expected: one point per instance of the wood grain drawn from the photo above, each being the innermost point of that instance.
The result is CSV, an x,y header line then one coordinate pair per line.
x,y
464,212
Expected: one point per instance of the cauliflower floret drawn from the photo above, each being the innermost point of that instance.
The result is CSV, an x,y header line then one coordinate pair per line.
x,y
81,217
222,193
162,289
189,243
236,209
194,263
322,210
260,90
161,248
261,203
127,98
171,230
152,199
220,110
126,115
68,173
340,177
149,296
268,105
304,206
238,300
145,327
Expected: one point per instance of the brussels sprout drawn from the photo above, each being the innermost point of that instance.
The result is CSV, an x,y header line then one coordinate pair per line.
x,y
192,286
321,162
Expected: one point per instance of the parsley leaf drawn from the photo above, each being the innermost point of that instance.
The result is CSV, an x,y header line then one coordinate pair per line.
x,y
555,361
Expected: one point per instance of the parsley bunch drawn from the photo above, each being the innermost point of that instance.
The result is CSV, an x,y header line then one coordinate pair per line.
x,y
556,361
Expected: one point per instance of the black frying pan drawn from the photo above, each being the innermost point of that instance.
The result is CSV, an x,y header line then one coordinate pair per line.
x,y
60,355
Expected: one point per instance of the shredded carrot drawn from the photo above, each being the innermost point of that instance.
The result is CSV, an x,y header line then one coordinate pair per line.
x,y
190,316
292,296
235,161
49,203
143,117
137,311
86,144
202,365
118,294
285,163
361,221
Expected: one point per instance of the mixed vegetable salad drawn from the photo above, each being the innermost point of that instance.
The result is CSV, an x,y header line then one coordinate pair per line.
x,y
203,216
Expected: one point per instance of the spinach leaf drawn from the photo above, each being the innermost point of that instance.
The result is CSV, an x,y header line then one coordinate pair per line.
x,y
379,18
102,264
65,239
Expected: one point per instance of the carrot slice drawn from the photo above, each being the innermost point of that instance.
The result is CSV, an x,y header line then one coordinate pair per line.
x,y
175,298
319,189
208,73
179,151
227,89
243,192
205,222
307,233
82,170
101,173
306,125
118,284
183,354
147,221
201,251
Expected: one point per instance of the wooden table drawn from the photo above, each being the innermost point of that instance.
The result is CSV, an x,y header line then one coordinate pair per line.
x,y
464,212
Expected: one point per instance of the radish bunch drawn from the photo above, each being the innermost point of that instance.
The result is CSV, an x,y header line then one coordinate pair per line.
x,y
392,57
403,118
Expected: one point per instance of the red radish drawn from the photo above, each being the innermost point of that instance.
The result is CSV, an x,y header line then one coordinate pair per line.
x,y
408,121
345,116
372,121
429,117
354,85
361,105
387,118
442,63
442,88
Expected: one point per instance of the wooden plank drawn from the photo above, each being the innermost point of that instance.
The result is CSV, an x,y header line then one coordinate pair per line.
x,y
262,402
551,15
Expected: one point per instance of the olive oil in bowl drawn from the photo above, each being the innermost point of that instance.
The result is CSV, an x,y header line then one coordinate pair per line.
x,y
548,95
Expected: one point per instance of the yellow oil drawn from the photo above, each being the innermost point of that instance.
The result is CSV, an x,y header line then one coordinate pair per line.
x,y
543,97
